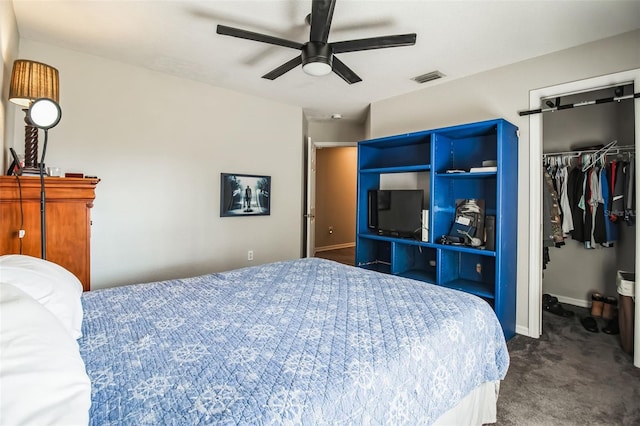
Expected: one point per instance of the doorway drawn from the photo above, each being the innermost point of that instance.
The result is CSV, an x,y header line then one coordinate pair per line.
x,y
330,207
535,186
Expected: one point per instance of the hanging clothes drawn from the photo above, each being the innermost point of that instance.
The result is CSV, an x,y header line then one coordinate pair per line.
x,y
629,193
585,206
599,233
617,203
552,225
565,207
611,177
574,194
611,229
623,197
586,202
550,217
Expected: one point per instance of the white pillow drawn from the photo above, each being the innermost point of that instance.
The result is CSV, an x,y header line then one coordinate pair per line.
x,y
50,284
43,380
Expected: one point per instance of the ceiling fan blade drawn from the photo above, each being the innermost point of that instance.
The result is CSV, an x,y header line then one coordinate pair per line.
x,y
250,35
344,71
321,15
374,43
287,66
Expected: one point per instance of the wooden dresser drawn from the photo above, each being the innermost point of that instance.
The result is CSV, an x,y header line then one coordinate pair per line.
x,y
68,220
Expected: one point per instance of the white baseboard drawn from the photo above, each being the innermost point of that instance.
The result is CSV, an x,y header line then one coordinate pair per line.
x,y
571,301
335,247
521,329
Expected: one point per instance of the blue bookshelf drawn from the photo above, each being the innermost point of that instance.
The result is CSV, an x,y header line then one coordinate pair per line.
x,y
486,273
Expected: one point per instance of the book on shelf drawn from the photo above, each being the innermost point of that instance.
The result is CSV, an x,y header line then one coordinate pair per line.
x,y
483,169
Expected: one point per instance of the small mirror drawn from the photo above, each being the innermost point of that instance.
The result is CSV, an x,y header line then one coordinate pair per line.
x,y
44,113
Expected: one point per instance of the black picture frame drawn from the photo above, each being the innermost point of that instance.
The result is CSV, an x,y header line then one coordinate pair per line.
x,y
236,189
15,168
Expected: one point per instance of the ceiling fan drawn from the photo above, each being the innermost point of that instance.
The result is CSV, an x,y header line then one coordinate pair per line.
x,y
317,56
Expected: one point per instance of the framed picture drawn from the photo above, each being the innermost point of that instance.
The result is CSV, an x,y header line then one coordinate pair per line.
x,y
244,195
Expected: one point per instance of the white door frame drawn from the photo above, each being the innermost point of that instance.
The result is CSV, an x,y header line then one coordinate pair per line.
x,y
535,190
310,208
310,213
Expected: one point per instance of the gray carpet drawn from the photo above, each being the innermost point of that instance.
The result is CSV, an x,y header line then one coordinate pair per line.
x,y
569,376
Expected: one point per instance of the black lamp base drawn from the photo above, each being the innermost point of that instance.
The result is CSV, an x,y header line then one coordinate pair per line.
x,y
32,171
30,142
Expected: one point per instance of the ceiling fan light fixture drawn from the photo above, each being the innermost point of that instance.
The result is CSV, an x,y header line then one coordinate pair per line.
x,y
316,68
317,59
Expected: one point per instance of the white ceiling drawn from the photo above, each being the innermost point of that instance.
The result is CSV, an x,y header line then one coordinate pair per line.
x,y
458,38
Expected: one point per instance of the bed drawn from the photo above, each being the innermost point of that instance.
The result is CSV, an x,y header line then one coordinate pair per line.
x,y
307,341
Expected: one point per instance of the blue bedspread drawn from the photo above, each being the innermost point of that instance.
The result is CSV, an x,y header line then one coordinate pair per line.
x,y
308,341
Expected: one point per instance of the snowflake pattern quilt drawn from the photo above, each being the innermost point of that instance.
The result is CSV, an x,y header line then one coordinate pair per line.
x,y
302,342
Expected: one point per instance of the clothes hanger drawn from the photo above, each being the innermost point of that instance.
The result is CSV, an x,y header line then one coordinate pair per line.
x,y
598,155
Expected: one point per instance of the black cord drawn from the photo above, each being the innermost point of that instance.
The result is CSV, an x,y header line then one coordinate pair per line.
x,y
43,226
21,211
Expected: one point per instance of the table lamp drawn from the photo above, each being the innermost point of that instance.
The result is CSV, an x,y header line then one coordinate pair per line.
x,y
31,80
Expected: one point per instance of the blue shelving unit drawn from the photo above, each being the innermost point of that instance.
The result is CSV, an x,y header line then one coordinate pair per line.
x,y
490,274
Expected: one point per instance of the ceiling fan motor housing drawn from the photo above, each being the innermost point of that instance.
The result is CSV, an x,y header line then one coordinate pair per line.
x,y
317,58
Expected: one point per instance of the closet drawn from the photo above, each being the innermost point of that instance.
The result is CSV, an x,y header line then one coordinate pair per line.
x,y
588,141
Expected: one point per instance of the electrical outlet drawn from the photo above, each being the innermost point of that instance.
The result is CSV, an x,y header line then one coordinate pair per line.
x,y
250,255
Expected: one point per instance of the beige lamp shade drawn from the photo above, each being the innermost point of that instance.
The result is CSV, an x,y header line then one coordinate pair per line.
x,y
31,80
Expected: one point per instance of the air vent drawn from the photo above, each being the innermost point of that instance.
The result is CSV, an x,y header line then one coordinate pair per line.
x,y
430,76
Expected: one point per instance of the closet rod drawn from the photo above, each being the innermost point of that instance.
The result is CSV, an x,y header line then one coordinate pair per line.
x,y
613,150
579,104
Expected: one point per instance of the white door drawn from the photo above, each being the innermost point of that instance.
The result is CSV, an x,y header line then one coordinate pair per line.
x,y
310,213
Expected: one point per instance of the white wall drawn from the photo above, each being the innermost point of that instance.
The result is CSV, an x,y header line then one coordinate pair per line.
x,y
502,93
336,131
8,52
159,143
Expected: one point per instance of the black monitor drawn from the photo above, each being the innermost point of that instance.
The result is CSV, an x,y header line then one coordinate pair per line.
x,y
396,212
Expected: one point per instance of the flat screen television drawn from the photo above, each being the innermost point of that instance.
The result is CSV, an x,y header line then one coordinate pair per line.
x,y
396,212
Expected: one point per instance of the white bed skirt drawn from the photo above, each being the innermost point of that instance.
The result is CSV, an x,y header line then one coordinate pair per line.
x,y
477,408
